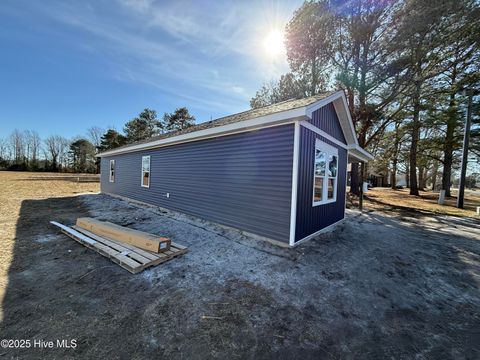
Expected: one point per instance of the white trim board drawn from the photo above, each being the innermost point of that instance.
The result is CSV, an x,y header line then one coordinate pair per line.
x,y
359,154
327,150
320,132
145,157
329,228
281,118
339,101
294,198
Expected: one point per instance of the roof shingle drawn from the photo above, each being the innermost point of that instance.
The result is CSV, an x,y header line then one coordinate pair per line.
x,y
242,116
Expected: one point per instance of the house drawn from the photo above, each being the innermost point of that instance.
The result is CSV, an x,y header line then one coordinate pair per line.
x,y
278,172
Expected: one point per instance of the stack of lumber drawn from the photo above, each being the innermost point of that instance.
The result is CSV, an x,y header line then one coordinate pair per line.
x,y
131,249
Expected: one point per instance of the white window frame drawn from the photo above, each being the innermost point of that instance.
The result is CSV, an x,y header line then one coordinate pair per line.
x,y
111,171
149,172
328,150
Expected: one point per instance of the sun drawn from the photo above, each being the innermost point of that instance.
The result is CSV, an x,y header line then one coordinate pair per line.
x,y
273,43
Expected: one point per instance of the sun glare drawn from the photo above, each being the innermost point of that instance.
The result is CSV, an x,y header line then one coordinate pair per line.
x,y
274,43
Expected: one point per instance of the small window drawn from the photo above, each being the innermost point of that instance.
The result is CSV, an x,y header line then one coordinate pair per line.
x,y
146,171
112,170
325,174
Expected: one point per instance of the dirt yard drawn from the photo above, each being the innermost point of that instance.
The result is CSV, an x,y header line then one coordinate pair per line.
x,y
397,285
381,198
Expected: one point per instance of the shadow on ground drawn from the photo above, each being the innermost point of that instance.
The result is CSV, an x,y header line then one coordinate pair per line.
x,y
379,287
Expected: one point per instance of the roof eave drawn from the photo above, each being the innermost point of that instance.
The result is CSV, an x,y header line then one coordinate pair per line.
x,y
280,118
359,154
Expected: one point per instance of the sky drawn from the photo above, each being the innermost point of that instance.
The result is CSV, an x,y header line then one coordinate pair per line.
x,y
70,65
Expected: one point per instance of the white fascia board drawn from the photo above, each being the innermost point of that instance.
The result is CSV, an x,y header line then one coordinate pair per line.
x,y
340,104
345,119
361,154
354,150
280,118
321,103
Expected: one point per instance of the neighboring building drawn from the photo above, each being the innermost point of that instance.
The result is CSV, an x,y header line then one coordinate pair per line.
x,y
253,171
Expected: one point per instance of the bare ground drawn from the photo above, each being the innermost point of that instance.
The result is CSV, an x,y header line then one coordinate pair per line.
x,y
382,198
385,285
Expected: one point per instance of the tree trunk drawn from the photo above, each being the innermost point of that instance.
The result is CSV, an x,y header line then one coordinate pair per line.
x,y
354,180
434,175
421,179
393,178
407,176
424,177
448,147
449,137
414,142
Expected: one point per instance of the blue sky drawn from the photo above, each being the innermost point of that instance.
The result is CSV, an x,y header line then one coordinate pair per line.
x,y
69,65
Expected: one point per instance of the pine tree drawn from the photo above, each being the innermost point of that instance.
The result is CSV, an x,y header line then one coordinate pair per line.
x,y
178,120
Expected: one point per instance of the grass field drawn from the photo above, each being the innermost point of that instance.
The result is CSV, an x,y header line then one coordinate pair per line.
x,y
16,187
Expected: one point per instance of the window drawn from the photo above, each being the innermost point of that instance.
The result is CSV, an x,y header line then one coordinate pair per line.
x,y
325,174
112,170
146,171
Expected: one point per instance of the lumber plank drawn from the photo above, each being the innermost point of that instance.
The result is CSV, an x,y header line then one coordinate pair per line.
x,y
127,256
133,237
126,260
145,254
178,246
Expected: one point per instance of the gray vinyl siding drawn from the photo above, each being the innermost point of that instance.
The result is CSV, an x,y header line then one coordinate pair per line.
x,y
242,180
311,219
326,119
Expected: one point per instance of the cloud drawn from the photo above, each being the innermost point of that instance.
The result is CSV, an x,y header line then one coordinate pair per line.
x,y
211,53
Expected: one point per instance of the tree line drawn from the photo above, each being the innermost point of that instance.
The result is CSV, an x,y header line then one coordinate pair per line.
x,y
27,151
405,66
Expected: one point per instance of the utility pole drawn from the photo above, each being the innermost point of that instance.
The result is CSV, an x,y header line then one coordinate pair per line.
x,y
466,139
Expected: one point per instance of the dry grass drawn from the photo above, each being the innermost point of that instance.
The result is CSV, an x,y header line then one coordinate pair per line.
x,y
379,198
18,186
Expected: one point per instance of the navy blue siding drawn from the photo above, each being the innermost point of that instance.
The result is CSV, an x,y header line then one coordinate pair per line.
x,y
310,219
242,180
326,119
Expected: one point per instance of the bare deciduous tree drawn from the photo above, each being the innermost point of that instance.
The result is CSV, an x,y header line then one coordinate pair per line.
x,y
94,134
56,150
4,149
32,143
17,144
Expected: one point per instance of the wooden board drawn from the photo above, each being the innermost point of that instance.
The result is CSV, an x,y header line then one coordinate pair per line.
x,y
127,256
139,239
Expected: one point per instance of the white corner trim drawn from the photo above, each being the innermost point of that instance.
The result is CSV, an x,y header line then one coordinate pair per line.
x,y
329,228
320,132
293,204
346,181
281,118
